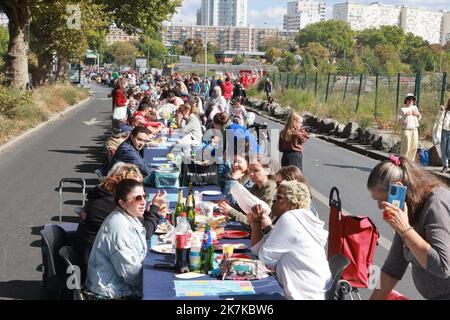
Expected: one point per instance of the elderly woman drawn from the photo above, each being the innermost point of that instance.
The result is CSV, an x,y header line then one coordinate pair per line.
x,y
101,203
422,228
296,246
115,263
216,104
191,125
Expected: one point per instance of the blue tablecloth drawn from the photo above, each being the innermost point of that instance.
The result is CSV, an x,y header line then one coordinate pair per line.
x,y
158,284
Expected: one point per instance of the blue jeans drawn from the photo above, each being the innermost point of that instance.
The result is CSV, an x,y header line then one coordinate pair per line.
x,y
445,147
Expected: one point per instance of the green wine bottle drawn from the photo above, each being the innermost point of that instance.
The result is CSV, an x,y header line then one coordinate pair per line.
x,y
179,208
190,210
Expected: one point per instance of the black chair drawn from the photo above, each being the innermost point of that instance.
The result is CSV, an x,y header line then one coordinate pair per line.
x,y
54,268
337,264
73,270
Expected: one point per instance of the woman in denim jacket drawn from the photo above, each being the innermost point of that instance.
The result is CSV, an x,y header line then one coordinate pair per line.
x,y
115,263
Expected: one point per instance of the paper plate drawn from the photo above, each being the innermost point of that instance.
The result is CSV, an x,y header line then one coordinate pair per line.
x,y
164,249
162,229
211,193
236,246
235,234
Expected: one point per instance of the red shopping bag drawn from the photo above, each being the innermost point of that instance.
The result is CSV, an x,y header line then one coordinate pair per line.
x,y
354,237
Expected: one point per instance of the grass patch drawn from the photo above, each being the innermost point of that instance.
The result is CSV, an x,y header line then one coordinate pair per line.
x,y
23,110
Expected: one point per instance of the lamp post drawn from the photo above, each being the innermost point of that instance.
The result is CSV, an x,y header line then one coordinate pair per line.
x,y
206,39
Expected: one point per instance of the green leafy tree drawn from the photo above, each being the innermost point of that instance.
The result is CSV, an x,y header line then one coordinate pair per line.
x,y
316,57
288,62
124,53
4,39
388,59
238,59
272,54
336,36
150,44
193,48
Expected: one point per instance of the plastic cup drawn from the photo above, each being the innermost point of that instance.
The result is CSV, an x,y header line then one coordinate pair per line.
x,y
227,250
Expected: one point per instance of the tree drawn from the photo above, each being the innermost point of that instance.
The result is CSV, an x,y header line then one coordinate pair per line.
x,y
272,54
385,35
150,43
288,63
124,53
388,58
4,39
316,57
130,15
336,36
193,48
18,13
238,59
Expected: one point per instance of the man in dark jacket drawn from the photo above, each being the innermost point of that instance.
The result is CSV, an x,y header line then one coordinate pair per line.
x,y
128,151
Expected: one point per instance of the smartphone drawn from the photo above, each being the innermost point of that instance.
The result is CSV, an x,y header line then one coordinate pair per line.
x,y
397,195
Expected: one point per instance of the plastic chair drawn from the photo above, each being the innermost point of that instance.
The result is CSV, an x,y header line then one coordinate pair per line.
x,y
54,272
72,263
337,264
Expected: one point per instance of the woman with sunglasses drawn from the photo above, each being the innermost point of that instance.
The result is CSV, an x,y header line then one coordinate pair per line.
x,y
115,263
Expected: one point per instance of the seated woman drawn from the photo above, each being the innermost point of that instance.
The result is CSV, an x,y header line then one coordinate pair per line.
x,y
422,228
239,174
101,203
115,263
190,123
264,187
296,246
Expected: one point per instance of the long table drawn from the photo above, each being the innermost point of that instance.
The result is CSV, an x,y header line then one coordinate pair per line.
x,y
158,284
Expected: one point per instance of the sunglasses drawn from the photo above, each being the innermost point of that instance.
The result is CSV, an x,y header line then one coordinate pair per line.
x,y
139,198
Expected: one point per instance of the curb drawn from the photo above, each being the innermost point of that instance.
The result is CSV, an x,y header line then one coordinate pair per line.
x,y
346,144
53,118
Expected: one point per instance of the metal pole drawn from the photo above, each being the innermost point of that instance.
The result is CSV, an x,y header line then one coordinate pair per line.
x,y
359,91
443,88
206,40
304,81
376,95
315,87
418,83
398,96
328,85
287,80
296,81
345,88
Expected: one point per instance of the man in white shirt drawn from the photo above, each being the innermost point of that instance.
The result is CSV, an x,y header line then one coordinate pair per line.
x,y
409,121
295,247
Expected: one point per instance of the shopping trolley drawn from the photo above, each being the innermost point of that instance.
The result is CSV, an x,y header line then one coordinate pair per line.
x,y
356,238
79,181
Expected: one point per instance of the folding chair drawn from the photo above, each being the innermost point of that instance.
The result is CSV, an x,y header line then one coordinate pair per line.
x,y
73,270
80,181
53,277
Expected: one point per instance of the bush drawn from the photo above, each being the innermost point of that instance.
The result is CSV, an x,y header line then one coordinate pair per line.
x,y
11,100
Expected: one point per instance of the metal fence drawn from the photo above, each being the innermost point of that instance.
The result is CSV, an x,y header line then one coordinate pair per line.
x,y
382,95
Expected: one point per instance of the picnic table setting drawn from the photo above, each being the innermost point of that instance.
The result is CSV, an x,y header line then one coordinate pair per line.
x,y
211,257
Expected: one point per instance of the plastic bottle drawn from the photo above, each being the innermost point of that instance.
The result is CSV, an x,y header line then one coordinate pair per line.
x,y
197,201
207,251
194,256
183,235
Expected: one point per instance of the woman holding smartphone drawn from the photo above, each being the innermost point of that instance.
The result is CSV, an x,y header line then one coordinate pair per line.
x,y
422,228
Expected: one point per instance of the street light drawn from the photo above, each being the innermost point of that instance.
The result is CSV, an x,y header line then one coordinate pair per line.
x,y
206,39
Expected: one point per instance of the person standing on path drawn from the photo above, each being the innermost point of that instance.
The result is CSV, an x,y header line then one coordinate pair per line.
x,y
445,137
292,139
409,121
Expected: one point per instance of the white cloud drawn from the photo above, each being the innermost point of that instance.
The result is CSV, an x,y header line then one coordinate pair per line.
x,y
273,16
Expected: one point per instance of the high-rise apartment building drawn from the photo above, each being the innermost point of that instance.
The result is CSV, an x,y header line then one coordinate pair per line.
x,y
3,20
223,13
303,12
432,26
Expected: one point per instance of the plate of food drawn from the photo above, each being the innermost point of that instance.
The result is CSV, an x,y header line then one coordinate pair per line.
x,y
163,228
164,249
166,167
235,234
236,246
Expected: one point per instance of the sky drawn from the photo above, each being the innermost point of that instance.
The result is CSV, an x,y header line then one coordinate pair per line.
x,y
271,11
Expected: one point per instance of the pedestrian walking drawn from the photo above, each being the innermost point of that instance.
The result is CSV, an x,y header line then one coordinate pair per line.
x,y
409,121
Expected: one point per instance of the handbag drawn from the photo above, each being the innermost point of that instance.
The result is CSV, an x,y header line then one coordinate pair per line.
x,y
354,237
199,174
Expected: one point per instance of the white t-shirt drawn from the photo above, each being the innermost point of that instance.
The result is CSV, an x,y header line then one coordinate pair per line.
x,y
296,247
409,122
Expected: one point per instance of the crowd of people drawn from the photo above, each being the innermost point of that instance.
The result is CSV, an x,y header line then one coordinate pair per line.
x,y
290,238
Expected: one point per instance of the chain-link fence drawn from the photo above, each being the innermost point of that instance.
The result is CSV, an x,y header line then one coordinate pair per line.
x,y
362,98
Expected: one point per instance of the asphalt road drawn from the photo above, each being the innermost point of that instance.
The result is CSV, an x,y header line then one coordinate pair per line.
x,y
31,170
